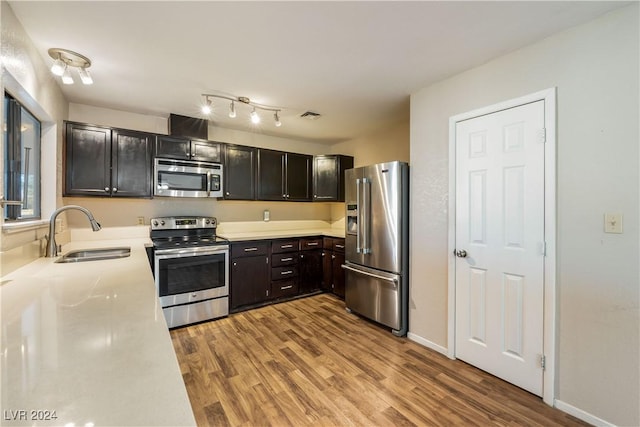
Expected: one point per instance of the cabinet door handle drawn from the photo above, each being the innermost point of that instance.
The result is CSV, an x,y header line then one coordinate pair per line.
x,y
115,190
284,273
227,193
340,246
301,256
284,288
106,189
286,246
286,259
235,263
333,257
250,249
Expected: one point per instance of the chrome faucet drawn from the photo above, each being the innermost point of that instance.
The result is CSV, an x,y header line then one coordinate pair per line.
x,y
52,248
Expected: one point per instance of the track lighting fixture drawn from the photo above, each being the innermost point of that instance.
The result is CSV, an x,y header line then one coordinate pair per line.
x,y
253,115
64,60
255,118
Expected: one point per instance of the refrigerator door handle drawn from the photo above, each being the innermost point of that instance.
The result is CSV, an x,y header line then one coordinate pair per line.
x,y
358,219
366,273
366,216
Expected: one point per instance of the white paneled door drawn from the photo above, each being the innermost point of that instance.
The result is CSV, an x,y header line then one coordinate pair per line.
x,y
499,263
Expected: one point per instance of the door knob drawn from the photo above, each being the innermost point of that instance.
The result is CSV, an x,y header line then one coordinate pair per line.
x,y
461,253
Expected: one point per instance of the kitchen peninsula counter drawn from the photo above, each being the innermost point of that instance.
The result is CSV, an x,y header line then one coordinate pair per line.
x,y
86,344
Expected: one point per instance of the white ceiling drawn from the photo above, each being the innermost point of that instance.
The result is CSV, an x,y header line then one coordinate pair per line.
x,y
356,63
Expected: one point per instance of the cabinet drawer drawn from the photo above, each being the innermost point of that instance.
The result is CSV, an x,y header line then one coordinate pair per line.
x,y
338,245
278,260
280,246
284,288
311,243
249,249
286,272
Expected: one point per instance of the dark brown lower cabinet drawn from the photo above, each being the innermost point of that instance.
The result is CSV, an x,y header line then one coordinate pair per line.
x,y
310,270
250,274
332,271
337,259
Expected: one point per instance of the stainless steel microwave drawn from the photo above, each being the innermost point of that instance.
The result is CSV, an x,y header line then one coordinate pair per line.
x,y
187,178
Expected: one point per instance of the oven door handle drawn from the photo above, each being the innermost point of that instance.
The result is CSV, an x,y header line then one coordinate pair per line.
x,y
182,253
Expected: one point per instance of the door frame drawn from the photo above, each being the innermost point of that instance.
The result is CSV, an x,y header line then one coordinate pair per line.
x,y
549,316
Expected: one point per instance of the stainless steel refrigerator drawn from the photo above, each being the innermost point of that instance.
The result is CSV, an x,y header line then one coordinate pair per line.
x,y
377,243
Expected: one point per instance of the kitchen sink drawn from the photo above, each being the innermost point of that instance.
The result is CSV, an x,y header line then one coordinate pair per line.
x,y
95,254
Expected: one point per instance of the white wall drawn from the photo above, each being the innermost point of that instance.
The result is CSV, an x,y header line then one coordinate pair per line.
x,y
122,212
27,77
595,68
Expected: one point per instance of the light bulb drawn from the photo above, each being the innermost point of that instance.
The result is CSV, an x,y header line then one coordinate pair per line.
x,y
85,76
278,123
206,108
255,118
66,77
232,110
58,67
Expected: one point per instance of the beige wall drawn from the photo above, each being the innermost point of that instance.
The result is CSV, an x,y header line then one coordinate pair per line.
x,y
595,69
382,146
27,77
122,212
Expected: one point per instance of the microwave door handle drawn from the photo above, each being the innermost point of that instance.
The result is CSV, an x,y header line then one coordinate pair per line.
x,y
358,220
208,184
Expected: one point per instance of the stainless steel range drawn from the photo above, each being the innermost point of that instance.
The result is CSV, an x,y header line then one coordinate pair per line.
x,y
191,268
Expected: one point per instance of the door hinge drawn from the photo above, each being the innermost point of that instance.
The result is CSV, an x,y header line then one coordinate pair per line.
x,y
543,361
542,135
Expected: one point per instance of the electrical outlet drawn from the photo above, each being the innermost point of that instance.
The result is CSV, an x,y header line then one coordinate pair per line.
x,y
613,223
140,220
266,215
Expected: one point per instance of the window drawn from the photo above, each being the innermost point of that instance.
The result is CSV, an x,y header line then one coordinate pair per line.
x,y
22,133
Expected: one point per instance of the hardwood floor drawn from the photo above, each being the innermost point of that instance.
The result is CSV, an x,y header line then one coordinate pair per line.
x,y
309,362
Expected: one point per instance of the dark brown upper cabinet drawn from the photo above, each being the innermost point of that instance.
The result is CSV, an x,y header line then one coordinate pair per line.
x,y
284,176
107,162
328,177
240,164
175,147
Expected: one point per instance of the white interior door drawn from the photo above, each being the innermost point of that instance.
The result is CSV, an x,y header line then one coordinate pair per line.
x,y
499,281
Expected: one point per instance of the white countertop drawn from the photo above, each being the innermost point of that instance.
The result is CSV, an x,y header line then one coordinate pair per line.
x,y
89,341
237,236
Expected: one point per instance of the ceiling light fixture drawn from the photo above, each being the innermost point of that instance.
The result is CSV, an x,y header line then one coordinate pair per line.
x,y
64,59
206,108
66,77
254,116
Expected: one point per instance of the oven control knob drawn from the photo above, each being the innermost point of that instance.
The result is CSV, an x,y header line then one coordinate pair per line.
x,y
161,222
193,295
208,221
155,223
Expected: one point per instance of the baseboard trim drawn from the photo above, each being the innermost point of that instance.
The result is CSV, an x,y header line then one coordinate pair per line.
x,y
426,343
581,414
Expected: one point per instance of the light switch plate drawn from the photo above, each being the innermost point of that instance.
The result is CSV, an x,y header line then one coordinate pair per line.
x,y
613,223
266,215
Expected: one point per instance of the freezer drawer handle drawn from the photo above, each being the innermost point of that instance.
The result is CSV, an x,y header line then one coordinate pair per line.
x,y
377,276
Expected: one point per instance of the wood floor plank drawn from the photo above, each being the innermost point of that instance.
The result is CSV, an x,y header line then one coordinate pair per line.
x,y
308,362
